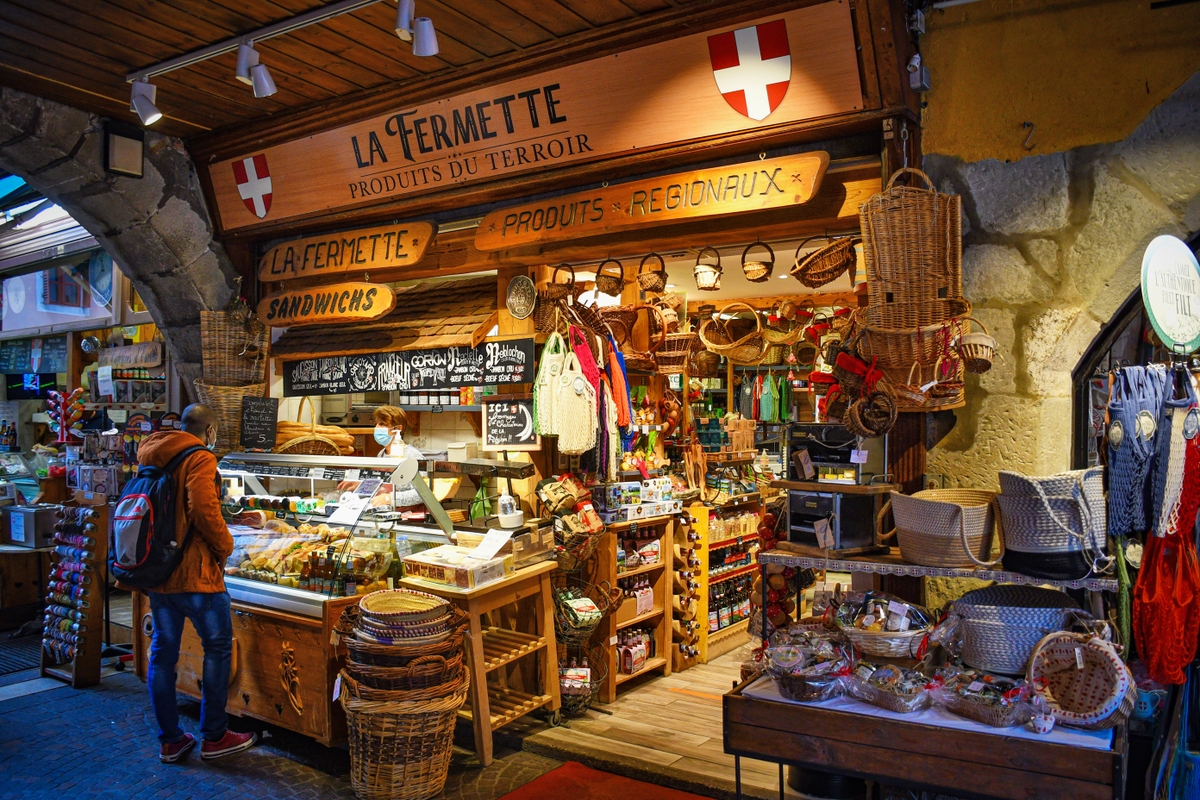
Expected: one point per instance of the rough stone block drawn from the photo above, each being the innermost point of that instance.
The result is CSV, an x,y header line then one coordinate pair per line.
x,y
62,126
18,113
1023,197
144,193
1164,151
1047,364
185,232
998,275
1045,253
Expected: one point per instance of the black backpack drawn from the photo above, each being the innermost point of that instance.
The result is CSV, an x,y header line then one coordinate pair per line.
x,y
145,549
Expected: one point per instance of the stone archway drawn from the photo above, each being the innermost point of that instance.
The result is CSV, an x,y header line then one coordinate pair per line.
x,y
157,228
1052,247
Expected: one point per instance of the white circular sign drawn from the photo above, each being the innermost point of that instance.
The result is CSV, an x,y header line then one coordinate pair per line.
x,y
1171,293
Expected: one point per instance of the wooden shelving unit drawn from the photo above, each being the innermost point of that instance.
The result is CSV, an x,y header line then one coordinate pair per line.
x,y
714,645
604,568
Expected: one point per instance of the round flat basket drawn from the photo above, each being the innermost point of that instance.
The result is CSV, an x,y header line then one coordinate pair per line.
x,y
403,605
886,644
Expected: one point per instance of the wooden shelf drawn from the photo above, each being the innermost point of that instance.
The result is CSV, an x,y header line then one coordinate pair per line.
x,y
629,573
742,500
724,576
649,615
508,705
502,646
732,541
648,522
729,630
650,665
730,457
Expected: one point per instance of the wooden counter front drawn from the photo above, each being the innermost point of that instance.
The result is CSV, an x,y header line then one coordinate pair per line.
x,y
283,671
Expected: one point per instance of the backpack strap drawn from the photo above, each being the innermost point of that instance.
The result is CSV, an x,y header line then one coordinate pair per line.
x,y
174,463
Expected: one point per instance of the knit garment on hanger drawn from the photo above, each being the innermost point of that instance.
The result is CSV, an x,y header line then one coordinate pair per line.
x,y
768,403
745,396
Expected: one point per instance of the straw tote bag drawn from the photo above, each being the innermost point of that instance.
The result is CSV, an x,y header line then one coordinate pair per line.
x,y
575,409
545,387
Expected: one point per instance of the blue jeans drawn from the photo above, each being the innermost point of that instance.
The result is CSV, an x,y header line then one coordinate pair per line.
x,y
209,614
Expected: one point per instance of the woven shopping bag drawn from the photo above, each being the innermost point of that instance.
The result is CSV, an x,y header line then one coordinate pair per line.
x,y
545,385
575,409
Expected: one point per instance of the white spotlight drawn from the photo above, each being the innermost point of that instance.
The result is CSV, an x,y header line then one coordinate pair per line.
x,y
141,100
264,86
246,60
424,38
405,11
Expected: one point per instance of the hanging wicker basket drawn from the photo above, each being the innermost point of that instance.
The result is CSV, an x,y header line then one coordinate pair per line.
x,y
1098,696
758,271
607,282
312,443
235,347
873,415
909,394
226,401
825,264
654,280
746,349
559,291
978,350
708,276
900,347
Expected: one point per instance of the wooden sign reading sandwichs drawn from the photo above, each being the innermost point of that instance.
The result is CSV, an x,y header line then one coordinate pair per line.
x,y
334,302
354,252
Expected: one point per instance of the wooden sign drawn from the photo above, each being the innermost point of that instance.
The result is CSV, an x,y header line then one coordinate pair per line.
x,y
353,252
508,425
490,363
786,67
145,354
753,186
334,302
259,417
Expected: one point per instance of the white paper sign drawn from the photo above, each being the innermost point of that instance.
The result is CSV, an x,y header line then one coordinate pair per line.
x,y
1171,292
495,539
104,380
858,456
347,512
824,533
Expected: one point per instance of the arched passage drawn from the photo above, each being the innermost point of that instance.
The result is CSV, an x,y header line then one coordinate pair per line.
x,y
157,228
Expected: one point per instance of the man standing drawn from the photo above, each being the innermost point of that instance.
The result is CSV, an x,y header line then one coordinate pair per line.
x,y
195,591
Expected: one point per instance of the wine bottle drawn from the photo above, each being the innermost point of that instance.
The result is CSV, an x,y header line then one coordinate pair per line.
x,y
684,607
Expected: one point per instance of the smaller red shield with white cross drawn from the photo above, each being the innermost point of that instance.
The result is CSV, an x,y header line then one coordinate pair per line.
x,y
753,67
254,184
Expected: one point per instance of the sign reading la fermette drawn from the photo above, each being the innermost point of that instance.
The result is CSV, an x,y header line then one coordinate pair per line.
x,y
789,66
355,252
753,186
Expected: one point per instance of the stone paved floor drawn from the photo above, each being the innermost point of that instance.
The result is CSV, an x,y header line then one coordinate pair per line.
x,y
100,743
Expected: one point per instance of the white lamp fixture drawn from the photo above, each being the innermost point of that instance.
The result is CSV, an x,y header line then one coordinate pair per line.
x,y
261,79
424,38
405,11
141,101
246,60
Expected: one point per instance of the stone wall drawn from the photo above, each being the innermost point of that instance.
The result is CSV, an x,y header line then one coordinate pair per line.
x,y
1052,247
156,228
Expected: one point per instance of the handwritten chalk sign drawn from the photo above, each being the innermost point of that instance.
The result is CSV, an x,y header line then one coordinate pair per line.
x,y
259,415
508,425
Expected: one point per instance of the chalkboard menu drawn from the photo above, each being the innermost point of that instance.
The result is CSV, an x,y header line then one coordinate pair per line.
x,y
18,355
259,415
508,425
488,364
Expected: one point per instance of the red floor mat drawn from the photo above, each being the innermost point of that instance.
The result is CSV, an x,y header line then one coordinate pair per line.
x,y
575,781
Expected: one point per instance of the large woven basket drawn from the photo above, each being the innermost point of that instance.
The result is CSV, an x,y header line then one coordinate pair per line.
x,y
912,242
900,345
226,401
424,672
886,644
946,527
1056,514
1101,695
312,443
235,346
673,356
746,349
400,750
827,263
1002,624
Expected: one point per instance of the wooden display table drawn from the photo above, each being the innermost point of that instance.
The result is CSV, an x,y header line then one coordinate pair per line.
x,y
492,646
965,761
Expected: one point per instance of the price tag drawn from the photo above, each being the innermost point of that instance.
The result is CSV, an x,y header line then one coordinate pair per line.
x,y
316,472
351,475
367,487
1078,658
337,687
645,429
858,456
976,686
492,542
824,533
436,409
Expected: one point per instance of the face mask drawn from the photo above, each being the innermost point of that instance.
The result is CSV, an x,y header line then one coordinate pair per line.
x,y
211,445
383,436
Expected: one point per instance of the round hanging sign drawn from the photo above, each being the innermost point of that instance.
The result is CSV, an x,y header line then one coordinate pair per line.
x,y
1171,293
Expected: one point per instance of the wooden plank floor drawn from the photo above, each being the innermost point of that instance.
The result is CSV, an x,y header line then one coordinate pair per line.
x,y
669,726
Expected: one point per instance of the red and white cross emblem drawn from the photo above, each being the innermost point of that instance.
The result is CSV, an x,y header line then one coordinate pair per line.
x,y
254,184
753,67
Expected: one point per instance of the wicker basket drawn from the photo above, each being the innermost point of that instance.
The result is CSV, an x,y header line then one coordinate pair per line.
x,y
312,443
872,415
673,356
656,279
825,264
995,716
226,401
900,346
746,349
547,315
909,394
758,271
946,527
400,750
708,276
560,291
575,704
567,630
912,242
607,282
235,346
886,644
1099,696
803,689
1002,624
886,699
384,655
424,672
978,350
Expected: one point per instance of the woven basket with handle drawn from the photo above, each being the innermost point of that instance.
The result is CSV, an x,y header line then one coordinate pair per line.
x,y
235,346
653,280
978,350
901,346
1001,624
755,270
825,264
947,527
886,644
311,444
746,349
708,276
559,291
226,401
606,281
1098,696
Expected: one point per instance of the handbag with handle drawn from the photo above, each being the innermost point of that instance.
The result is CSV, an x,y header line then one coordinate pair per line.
x,y
575,409
545,386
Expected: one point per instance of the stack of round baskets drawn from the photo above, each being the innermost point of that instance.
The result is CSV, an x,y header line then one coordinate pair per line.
x,y
402,687
947,527
235,348
1002,624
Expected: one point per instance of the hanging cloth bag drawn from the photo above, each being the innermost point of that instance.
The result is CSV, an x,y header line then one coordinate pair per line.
x,y
575,409
1133,412
545,385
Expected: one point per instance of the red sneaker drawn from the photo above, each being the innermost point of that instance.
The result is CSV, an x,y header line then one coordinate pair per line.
x,y
170,753
228,744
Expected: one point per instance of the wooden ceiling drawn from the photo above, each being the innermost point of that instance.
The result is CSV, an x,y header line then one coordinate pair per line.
x,y
79,51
